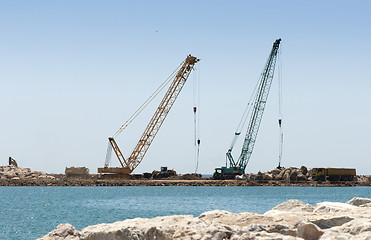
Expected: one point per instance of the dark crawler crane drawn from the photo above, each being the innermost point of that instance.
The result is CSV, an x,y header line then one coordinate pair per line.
x,y
258,105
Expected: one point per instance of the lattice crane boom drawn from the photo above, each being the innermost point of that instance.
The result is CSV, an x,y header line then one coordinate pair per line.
x,y
129,164
259,103
163,109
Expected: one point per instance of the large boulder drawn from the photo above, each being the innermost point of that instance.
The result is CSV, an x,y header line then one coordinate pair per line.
x,y
309,173
294,176
357,201
281,174
301,177
286,175
333,208
259,177
291,220
262,172
294,205
325,223
63,231
276,172
309,231
268,177
356,229
290,212
242,177
252,176
304,170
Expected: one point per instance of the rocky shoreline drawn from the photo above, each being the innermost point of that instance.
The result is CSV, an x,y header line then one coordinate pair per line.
x,y
18,176
225,183
290,220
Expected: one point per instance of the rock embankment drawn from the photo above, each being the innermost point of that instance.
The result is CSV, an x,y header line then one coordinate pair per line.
x,y
291,174
290,220
10,172
18,176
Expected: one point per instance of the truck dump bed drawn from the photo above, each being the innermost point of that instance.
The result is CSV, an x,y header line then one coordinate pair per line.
x,y
76,171
341,171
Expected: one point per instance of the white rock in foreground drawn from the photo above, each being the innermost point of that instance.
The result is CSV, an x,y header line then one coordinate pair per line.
x,y
290,220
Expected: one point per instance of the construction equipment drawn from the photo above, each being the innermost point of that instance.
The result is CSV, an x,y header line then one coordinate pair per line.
x,y
164,173
196,118
76,171
128,165
256,108
12,162
333,174
280,120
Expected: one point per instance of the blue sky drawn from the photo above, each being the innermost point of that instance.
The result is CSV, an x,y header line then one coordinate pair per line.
x,y
73,71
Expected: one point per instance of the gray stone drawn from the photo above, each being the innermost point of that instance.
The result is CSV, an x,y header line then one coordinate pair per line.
x,y
286,175
357,201
301,177
304,170
259,177
293,176
280,175
275,172
267,177
252,176
332,222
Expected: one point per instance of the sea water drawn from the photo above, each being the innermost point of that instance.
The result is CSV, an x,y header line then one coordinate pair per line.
x,y
30,212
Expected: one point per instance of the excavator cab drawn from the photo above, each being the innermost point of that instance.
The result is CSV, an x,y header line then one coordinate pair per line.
x,y
218,174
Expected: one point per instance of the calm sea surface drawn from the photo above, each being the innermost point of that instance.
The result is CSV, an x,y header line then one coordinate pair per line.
x,y
30,212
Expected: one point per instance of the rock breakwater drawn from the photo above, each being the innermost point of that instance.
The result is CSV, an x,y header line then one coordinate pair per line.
x,y
18,176
292,219
10,172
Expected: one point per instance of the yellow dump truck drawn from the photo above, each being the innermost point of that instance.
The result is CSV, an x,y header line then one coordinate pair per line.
x,y
333,174
77,171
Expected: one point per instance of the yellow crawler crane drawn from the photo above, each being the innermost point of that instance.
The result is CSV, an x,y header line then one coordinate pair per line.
x,y
128,165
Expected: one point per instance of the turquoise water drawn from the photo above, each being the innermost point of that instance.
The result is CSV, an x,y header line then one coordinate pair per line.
x,y
30,212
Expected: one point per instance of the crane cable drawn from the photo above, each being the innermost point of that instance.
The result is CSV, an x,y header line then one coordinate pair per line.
x,y
196,114
280,108
145,104
245,115
137,112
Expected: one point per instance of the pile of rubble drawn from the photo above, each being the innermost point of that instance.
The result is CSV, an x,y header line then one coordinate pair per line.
x,y
10,172
291,174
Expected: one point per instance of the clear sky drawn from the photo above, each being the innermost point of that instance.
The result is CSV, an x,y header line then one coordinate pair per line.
x,y
72,72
